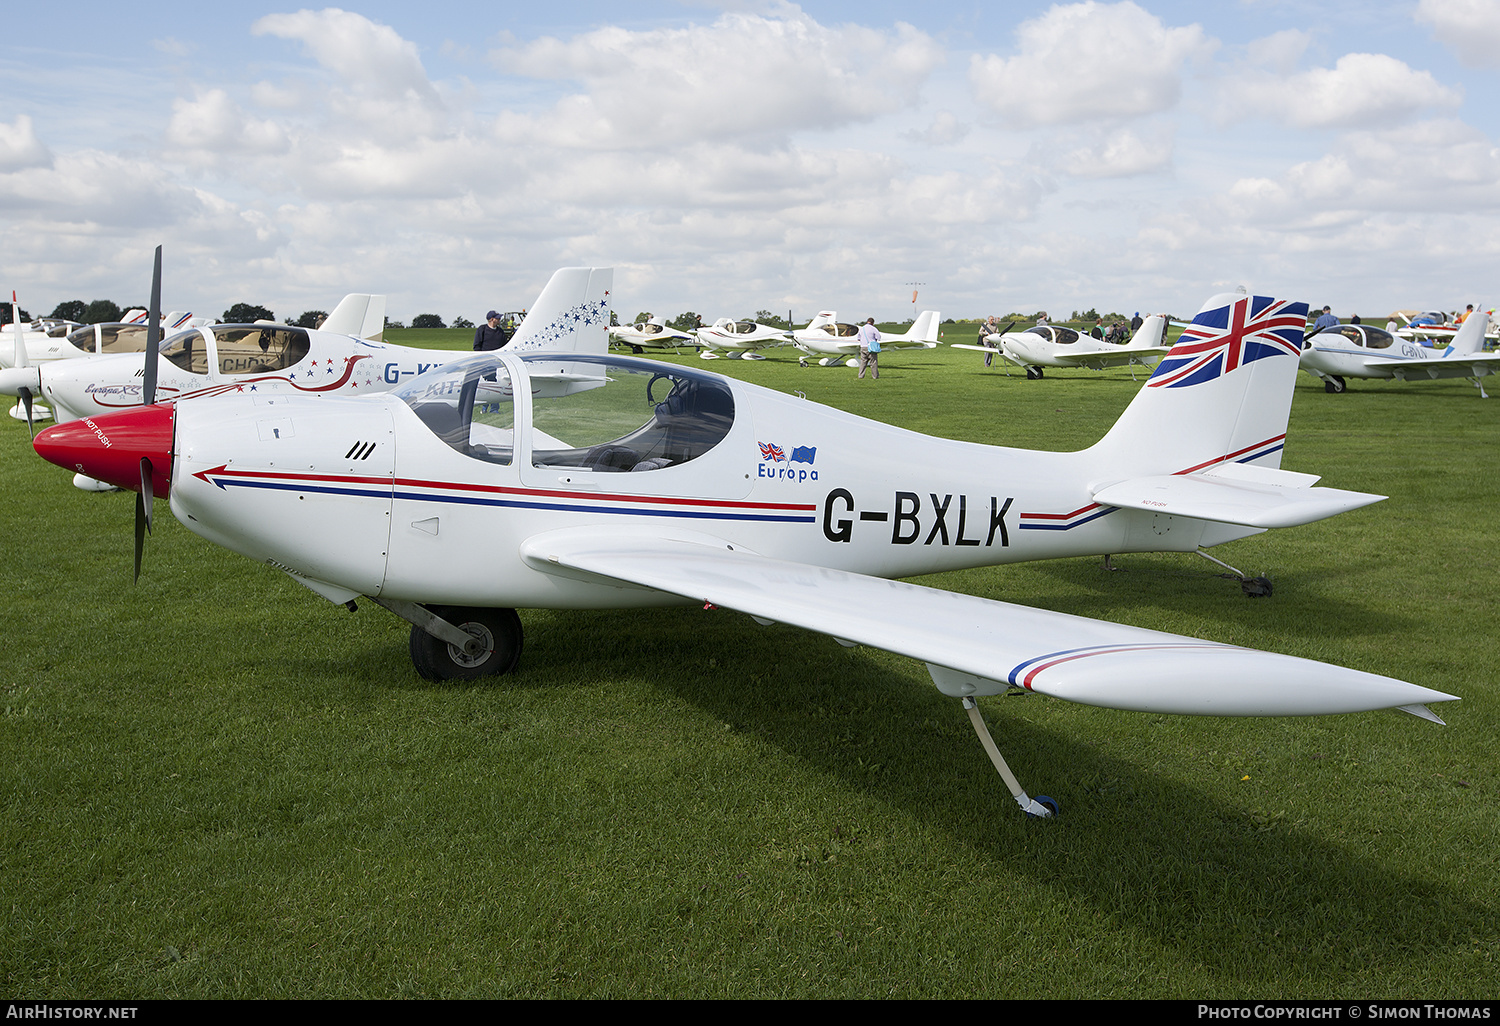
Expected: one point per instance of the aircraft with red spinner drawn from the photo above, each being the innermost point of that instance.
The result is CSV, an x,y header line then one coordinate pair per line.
x,y
592,481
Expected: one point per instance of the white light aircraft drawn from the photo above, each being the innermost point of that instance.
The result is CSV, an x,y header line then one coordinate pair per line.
x,y
1365,351
838,342
1052,345
346,355
565,481
737,339
650,334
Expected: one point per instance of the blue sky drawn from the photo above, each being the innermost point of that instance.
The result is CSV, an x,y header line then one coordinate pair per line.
x,y
732,157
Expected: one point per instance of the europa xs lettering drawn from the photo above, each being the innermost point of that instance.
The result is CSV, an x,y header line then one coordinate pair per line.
x,y
945,521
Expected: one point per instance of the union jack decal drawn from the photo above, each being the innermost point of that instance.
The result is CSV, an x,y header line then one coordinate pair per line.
x,y
771,452
1228,337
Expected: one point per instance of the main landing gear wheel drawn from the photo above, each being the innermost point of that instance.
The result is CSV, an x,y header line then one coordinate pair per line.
x,y
1033,373
498,630
1333,385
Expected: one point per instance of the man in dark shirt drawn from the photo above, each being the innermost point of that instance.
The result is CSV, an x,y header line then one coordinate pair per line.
x,y
490,335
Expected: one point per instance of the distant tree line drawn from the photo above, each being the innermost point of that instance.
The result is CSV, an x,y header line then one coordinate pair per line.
x,y
100,310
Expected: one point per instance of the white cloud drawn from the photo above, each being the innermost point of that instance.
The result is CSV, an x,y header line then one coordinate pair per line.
x,y
1088,62
366,56
744,75
1117,154
1361,89
1471,28
211,127
944,130
20,147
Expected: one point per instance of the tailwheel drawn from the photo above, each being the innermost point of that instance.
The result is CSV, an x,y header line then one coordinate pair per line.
x,y
1256,587
498,632
1047,802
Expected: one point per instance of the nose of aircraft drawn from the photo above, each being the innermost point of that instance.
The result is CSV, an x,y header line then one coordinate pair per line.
x,y
110,446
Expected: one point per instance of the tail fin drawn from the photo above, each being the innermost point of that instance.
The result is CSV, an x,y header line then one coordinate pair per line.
x,y
824,317
925,327
571,315
360,315
1222,395
1151,333
1470,336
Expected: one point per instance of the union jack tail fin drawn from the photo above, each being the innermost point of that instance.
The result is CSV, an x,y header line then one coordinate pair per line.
x,y
1221,395
571,315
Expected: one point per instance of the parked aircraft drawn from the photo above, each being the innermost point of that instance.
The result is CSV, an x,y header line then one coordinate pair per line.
x,y
506,480
1365,351
1052,345
838,342
737,339
650,334
274,358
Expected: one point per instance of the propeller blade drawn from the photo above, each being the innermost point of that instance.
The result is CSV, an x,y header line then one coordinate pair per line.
x,y
143,503
153,345
26,399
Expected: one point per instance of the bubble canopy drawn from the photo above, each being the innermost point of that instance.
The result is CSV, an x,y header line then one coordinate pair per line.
x,y
604,414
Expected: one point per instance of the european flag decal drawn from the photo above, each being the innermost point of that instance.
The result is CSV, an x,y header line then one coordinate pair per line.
x,y
804,453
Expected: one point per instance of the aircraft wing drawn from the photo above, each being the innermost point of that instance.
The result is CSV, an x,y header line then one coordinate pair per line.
x,y
1100,360
1236,493
976,646
1475,365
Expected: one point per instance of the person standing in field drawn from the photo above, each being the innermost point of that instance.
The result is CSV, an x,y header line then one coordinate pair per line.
x,y
869,349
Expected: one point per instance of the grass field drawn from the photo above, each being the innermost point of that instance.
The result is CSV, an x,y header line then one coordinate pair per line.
x,y
216,784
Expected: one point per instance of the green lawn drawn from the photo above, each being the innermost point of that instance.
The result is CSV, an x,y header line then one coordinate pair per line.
x,y
216,784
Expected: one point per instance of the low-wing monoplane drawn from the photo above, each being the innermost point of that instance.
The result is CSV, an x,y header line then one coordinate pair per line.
x,y
561,481
1365,351
346,355
650,334
838,342
1052,345
737,339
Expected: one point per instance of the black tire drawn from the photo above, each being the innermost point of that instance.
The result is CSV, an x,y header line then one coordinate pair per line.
x,y
436,660
1333,385
1033,372
1256,587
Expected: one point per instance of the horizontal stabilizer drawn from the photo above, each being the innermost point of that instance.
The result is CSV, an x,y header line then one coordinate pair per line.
x,y
978,646
1236,493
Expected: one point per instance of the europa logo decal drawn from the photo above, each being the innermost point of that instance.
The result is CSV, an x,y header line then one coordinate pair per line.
x,y
771,454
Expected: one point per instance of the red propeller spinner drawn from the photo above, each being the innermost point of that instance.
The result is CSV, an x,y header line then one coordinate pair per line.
x,y
110,446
